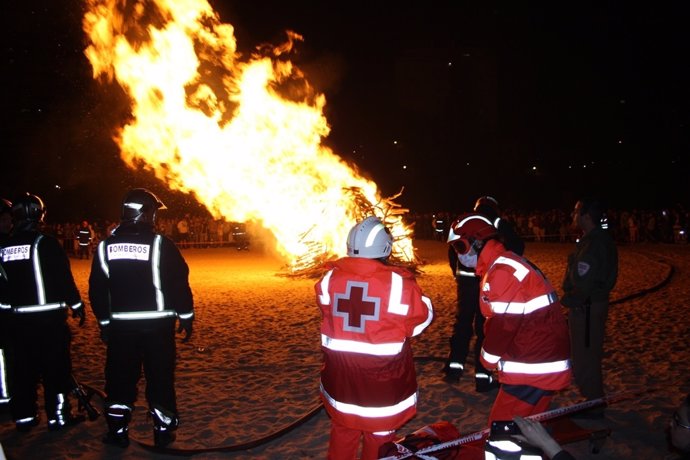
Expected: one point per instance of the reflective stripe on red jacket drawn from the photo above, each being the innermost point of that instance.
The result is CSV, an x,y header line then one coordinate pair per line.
x,y
369,310
526,334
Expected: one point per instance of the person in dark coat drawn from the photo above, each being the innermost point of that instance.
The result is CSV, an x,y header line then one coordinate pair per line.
x,y
5,311
590,277
138,288
38,286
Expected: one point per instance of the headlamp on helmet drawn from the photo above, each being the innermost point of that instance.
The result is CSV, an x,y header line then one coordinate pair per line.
x,y
140,205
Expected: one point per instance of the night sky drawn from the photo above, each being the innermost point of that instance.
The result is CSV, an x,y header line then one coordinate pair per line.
x,y
450,100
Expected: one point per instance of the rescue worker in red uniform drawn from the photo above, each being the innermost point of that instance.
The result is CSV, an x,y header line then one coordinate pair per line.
x,y
138,287
38,286
369,311
468,319
525,332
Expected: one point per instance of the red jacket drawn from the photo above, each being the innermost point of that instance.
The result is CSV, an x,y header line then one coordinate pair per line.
x,y
526,334
369,310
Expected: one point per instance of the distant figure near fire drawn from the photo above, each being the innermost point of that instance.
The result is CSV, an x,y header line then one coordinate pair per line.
x,y
369,310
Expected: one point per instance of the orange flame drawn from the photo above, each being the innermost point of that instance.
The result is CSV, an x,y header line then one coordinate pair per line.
x,y
208,123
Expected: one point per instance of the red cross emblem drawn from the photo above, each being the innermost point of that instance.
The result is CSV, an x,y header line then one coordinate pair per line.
x,y
356,307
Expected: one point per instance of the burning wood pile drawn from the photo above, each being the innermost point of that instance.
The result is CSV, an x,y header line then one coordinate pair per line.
x,y
310,264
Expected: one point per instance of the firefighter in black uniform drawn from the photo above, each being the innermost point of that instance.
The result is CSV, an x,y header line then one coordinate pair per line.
x,y
138,287
5,310
468,318
84,240
39,286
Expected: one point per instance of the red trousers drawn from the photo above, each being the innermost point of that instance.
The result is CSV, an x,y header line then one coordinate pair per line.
x,y
508,405
344,443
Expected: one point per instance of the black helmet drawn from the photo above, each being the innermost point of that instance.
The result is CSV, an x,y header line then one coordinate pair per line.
x,y
487,206
28,208
6,206
5,217
140,205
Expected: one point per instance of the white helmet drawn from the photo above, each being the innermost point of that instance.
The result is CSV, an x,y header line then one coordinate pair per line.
x,y
369,239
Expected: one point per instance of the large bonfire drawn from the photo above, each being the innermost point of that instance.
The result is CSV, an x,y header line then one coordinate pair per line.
x,y
243,134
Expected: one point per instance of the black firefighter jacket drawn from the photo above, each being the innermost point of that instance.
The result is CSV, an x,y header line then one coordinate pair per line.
x,y
139,278
36,278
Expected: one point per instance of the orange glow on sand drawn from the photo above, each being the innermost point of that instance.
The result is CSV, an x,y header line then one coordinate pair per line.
x,y
242,134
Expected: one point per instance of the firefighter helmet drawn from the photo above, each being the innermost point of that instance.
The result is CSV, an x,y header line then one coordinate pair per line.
x,y
369,239
469,228
486,203
28,208
140,205
5,216
6,206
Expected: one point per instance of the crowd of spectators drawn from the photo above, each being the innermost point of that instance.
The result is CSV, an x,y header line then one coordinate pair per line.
x,y
669,225
627,226
187,231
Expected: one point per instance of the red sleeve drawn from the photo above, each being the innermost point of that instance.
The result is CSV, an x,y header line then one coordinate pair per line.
x,y
500,328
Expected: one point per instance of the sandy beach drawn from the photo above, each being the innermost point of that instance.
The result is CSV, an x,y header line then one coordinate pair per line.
x,y
252,367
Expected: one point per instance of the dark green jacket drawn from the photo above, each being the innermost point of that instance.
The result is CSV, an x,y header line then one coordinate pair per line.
x,y
592,269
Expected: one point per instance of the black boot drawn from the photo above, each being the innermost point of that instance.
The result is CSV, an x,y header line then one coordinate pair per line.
x,y
117,416
485,382
24,425
164,426
162,436
61,415
453,372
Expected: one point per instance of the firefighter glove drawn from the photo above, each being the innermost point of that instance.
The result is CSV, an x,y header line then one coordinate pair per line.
x,y
186,326
79,313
